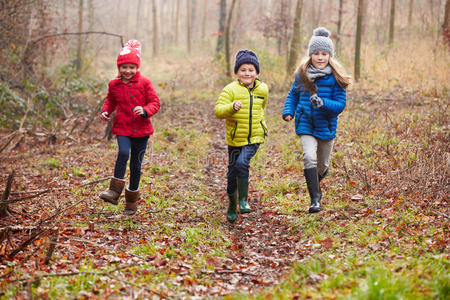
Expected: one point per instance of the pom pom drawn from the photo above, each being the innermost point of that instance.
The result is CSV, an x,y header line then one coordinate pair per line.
x,y
134,44
321,31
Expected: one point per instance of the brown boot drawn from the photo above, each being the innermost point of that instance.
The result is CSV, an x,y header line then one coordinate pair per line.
x,y
113,193
131,202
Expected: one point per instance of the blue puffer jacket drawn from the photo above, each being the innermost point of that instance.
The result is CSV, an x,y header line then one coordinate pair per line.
x,y
318,122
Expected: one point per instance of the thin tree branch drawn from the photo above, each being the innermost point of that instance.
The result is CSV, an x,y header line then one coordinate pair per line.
x,y
78,33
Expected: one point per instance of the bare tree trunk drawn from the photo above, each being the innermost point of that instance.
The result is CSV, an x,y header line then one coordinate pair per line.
x,y
446,23
339,26
162,29
227,38
177,22
392,22
205,12
236,26
222,19
193,18
188,25
138,12
295,42
64,16
43,25
410,12
78,63
279,32
91,16
358,39
155,29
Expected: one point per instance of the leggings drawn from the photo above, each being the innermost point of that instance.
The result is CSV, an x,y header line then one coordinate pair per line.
x,y
316,152
137,145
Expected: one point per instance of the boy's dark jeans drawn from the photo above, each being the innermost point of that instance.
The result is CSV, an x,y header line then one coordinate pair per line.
x,y
239,164
137,146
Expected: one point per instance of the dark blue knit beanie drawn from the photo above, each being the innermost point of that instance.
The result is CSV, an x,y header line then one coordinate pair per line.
x,y
246,57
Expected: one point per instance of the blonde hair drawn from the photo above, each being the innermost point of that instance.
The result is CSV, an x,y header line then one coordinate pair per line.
x,y
342,78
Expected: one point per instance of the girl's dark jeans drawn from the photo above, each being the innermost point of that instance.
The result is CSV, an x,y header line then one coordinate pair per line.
x,y
137,145
239,164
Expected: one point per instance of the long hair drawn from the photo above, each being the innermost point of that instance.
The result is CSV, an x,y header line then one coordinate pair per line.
x,y
342,78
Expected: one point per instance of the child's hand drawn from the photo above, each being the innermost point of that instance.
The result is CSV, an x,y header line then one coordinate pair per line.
x,y
237,105
105,116
316,101
287,118
138,110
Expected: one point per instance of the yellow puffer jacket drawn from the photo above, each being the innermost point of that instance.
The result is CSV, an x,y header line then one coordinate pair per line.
x,y
248,125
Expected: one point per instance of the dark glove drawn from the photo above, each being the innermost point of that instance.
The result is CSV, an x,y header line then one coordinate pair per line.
x,y
316,101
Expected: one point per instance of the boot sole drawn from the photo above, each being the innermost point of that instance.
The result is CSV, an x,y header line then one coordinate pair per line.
x,y
314,210
110,201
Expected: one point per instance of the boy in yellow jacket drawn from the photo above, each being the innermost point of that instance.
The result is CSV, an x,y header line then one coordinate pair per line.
x,y
242,103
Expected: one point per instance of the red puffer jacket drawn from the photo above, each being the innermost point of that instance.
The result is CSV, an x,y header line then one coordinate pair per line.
x,y
124,97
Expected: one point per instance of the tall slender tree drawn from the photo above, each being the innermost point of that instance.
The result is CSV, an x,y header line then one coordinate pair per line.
x,y
227,38
155,29
205,13
339,26
410,12
358,39
446,23
222,20
177,21
295,42
91,17
392,22
78,63
188,25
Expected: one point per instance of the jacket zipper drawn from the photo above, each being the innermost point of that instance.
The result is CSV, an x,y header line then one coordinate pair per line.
x,y
250,114
233,132
264,129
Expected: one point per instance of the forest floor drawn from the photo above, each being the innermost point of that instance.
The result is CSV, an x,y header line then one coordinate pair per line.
x,y
383,231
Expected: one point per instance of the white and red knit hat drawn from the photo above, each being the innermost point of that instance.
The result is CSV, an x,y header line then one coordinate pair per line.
x,y
130,53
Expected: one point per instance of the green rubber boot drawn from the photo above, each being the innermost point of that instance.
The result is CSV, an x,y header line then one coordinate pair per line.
x,y
242,184
232,213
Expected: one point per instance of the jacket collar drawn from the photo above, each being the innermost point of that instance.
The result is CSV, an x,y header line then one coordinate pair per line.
x,y
257,83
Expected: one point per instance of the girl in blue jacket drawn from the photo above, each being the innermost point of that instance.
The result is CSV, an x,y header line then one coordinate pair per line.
x,y
315,100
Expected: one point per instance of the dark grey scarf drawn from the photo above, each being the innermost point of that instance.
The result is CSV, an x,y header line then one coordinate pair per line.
x,y
314,73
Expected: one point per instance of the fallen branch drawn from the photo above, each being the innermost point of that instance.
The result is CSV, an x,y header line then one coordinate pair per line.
x,y
27,242
60,189
3,202
76,273
44,191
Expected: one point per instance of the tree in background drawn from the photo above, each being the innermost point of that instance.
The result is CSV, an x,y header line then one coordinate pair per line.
x,y
188,25
392,22
227,38
222,19
155,29
295,42
446,24
358,40
339,26
78,62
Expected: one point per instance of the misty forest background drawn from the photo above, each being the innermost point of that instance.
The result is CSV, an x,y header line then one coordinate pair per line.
x,y
384,232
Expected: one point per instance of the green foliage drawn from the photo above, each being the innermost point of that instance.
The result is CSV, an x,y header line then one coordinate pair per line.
x,y
12,106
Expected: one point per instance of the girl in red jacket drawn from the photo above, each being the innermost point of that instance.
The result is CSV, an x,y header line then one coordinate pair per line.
x,y
135,101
